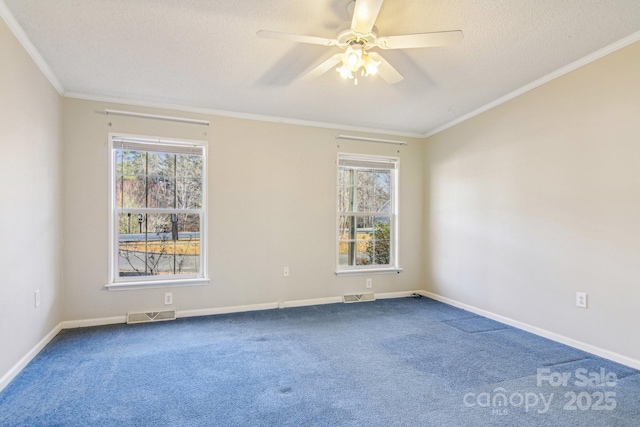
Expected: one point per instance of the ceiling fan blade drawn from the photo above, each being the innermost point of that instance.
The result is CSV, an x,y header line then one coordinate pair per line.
x,y
296,38
443,38
364,15
387,72
324,67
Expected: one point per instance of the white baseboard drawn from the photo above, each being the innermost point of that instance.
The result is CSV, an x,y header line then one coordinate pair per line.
x,y
335,300
308,302
18,367
226,310
403,294
619,358
84,323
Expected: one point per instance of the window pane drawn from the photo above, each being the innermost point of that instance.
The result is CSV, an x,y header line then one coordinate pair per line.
x,y
366,178
365,224
347,240
382,193
344,176
381,226
133,191
189,225
159,245
132,252
382,202
161,192
187,253
161,164
379,251
364,191
118,156
363,236
131,162
344,198
129,223
368,245
383,179
362,255
159,227
119,191
189,166
364,197
161,180
345,227
188,193
345,249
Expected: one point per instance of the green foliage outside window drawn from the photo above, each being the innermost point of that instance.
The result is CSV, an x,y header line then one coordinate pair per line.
x,y
379,247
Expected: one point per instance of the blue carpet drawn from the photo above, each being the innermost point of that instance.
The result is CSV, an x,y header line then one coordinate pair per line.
x,y
402,362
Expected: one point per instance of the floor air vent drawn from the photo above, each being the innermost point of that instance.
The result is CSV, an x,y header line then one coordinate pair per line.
x,y
359,298
152,316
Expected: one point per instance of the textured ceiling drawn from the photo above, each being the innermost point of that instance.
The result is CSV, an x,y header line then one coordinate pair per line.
x,y
205,53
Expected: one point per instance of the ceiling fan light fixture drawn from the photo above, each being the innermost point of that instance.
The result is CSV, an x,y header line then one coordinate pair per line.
x,y
345,73
355,60
371,64
353,57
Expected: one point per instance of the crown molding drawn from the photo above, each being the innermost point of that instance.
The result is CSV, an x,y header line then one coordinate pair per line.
x,y
545,79
234,114
19,33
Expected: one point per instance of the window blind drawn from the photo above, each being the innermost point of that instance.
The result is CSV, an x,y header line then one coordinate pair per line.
x,y
368,163
158,145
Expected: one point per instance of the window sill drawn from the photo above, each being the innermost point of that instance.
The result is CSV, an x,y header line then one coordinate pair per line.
x,y
353,272
149,284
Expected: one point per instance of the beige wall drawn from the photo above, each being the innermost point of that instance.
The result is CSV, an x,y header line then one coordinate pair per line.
x,y
31,203
539,198
272,203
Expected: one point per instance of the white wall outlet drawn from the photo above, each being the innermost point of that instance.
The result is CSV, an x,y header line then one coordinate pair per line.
x,y
581,299
36,299
369,283
168,298
285,271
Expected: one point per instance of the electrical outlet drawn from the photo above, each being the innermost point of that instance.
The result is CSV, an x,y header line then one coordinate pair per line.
x,y
168,298
285,271
36,299
369,283
581,299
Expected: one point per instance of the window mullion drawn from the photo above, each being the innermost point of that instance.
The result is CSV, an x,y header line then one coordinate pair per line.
x,y
174,225
353,233
146,216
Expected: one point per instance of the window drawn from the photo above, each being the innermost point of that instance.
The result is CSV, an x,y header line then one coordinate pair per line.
x,y
158,212
367,213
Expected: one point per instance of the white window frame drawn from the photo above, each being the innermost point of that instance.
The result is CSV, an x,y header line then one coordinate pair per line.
x,y
143,282
394,266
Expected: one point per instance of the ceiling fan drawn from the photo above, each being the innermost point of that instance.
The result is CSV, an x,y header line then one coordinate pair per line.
x,y
359,39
